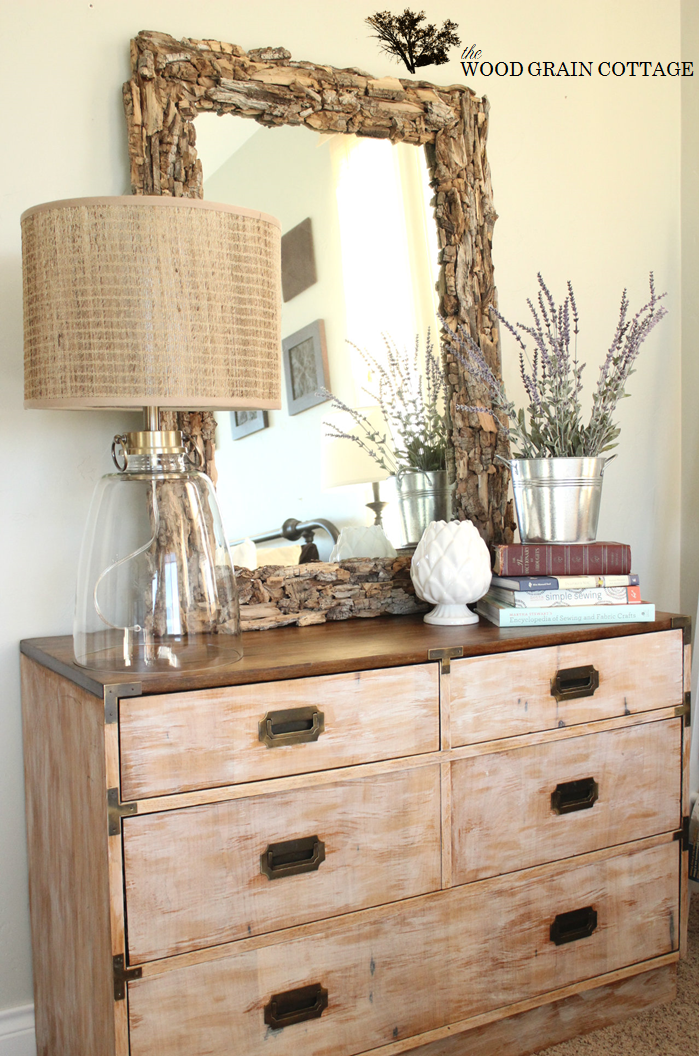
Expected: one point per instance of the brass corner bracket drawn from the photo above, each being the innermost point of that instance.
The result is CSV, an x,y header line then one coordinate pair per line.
x,y
446,656
117,810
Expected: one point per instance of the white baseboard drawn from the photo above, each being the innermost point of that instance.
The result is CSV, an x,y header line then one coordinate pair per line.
x,y
17,1031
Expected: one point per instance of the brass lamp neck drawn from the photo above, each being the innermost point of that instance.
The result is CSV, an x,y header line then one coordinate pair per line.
x,y
154,442
150,442
151,419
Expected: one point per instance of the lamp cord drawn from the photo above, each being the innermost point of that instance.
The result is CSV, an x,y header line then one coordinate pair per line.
x,y
122,561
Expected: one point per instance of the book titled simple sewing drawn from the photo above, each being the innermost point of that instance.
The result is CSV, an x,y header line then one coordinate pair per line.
x,y
562,559
508,616
545,599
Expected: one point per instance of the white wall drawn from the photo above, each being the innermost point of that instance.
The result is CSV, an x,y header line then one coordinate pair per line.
x,y
586,179
689,563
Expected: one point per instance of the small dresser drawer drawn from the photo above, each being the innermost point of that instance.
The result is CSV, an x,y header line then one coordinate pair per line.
x,y
567,796
381,976
209,874
179,742
542,689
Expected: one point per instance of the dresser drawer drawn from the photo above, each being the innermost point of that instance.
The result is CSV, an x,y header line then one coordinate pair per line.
x,y
195,877
526,806
178,742
394,973
542,689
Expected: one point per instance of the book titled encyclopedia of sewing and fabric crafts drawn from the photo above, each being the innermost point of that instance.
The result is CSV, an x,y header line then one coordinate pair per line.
x,y
508,616
562,559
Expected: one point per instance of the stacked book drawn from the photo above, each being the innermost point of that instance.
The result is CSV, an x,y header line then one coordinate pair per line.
x,y
535,584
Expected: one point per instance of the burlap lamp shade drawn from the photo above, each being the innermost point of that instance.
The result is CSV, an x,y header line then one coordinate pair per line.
x,y
133,301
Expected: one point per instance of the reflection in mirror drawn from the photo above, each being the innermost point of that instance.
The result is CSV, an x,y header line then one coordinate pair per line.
x,y
375,246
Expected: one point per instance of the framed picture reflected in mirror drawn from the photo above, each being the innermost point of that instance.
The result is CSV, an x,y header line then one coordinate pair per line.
x,y
298,260
245,422
305,359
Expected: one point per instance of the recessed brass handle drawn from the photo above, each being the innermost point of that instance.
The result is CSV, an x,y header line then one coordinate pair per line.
x,y
291,857
569,927
291,726
296,1006
570,683
574,795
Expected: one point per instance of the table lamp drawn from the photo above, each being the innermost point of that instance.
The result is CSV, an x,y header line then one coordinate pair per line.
x,y
344,462
152,302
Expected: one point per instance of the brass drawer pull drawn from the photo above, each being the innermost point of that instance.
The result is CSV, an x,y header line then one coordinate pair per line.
x,y
569,927
292,856
574,795
295,1006
573,682
292,726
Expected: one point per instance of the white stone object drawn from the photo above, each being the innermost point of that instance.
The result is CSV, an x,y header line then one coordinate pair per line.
x,y
451,567
244,555
362,542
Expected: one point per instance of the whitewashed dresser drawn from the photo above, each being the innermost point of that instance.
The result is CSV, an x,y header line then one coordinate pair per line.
x,y
365,837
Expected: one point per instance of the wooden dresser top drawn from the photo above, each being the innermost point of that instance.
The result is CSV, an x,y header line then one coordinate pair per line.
x,y
348,645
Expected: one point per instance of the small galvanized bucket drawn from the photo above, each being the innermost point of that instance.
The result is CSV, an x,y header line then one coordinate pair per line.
x,y
557,499
422,497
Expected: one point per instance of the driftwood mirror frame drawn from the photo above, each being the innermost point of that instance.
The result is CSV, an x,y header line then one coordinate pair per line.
x,y
173,81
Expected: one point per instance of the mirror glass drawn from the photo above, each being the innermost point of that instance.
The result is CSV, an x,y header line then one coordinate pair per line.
x,y
375,248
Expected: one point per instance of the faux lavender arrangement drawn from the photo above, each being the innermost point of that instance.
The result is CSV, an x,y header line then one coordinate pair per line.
x,y
551,426
412,403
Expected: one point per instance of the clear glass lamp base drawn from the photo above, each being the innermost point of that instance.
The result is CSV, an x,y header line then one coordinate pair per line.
x,y
156,585
104,652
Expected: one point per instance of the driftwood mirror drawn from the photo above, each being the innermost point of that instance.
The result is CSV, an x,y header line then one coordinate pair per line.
x,y
174,81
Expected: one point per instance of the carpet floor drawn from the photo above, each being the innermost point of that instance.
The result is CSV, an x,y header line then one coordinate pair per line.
x,y
669,1030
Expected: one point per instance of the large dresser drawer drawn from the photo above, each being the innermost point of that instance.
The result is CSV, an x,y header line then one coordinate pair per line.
x,y
395,972
210,874
178,742
542,689
525,806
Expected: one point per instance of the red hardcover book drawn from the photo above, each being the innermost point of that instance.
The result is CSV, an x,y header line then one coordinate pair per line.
x,y
562,559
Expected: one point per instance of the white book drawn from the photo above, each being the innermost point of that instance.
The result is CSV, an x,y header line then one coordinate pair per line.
x,y
509,616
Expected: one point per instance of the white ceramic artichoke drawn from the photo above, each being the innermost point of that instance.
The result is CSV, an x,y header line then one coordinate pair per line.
x,y
450,567
362,542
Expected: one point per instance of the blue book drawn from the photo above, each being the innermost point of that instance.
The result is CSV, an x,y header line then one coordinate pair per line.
x,y
563,582
525,582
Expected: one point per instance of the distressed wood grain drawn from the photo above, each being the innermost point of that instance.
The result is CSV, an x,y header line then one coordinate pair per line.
x,y
493,697
535,1029
381,838
335,647
182,741
397,972
502,812
69,894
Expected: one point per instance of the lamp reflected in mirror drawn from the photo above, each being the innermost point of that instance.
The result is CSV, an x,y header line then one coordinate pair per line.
x,y
345,462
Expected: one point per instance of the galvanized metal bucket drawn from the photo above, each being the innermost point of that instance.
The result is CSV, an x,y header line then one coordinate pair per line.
x,y
557,499
422,498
